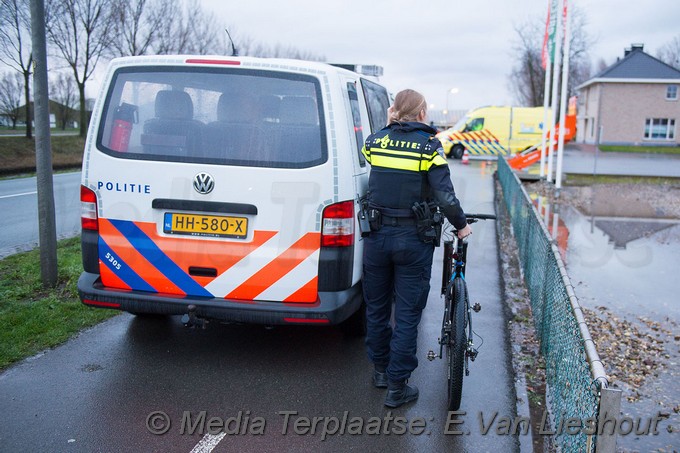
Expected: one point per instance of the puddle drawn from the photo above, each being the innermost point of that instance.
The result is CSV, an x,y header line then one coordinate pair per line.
x,y
630,265
628,268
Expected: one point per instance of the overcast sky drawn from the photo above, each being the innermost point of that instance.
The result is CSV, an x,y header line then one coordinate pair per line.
x,y
448,44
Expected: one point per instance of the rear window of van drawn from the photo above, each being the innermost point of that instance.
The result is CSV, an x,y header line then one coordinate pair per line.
x,y
214,115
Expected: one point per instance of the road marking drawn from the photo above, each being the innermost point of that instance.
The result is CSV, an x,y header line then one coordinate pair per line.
x,y
208,443
18,194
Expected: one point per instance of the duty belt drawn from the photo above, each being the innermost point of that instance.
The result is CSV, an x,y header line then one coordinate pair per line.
x,y
398,221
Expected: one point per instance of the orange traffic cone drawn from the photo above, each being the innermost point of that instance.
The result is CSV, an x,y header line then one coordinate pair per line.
x,y
466,158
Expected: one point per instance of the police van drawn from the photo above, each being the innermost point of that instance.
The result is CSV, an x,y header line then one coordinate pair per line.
x,y
227,188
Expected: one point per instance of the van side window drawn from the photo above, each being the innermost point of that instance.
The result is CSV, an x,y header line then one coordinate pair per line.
x,y
377,102
356,117
474,125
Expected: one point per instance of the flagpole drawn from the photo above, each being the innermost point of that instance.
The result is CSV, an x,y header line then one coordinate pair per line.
x,y
565,95
546,95
556,77
546,59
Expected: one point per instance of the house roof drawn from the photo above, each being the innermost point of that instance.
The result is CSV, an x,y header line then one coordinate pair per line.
x,y
636,66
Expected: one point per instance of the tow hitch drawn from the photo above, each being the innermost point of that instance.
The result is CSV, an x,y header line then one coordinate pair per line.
x,y
192,321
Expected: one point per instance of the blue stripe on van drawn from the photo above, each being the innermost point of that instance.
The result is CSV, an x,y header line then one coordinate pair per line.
x,y
125,273
144,245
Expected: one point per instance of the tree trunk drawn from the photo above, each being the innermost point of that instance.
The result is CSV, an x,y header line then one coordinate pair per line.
x,y
27,93
83,112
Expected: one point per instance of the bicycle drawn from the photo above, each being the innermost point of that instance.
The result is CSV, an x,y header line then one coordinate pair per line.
x,y
456,334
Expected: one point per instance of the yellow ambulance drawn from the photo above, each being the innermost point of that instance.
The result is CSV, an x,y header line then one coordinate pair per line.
x,y
491,131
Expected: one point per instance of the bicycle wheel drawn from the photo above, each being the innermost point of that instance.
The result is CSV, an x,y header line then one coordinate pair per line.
x,y
457,344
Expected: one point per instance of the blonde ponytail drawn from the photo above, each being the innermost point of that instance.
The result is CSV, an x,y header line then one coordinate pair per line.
x,y
407,106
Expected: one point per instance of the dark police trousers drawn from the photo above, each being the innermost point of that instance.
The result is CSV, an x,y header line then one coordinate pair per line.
x,y
397,266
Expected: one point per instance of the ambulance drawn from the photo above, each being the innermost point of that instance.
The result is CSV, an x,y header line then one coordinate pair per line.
x,y
227,188
492,131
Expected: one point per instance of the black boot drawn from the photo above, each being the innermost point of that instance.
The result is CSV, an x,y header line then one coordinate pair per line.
x,y
380,378
399,393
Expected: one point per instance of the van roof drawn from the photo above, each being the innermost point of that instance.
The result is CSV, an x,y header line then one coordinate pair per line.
x,y
223,60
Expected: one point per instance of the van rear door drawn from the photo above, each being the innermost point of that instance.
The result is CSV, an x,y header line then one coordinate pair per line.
x,y
211,182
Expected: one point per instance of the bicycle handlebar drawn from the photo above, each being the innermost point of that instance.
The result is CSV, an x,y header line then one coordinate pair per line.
x,y
480,217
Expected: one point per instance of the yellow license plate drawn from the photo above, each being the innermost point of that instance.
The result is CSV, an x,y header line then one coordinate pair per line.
x,y
205,225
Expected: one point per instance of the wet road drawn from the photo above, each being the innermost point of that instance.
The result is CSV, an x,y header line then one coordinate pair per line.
x,y
19,211
96,392
587,161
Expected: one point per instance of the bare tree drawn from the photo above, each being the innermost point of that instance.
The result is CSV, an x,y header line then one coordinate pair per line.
x,y
669,53
188,30
15,46
64,92
10,97
136,26
527,78
246,45
204,31
81,30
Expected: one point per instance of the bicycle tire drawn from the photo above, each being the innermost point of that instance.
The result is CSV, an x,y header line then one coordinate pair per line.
x,y
457,344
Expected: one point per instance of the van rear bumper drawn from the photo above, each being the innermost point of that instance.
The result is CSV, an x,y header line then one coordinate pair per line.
x,y
331,308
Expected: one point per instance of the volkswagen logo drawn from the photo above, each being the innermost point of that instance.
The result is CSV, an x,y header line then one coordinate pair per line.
x,y
204,183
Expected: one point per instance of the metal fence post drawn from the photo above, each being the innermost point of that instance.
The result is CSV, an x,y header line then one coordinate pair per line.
x,y
610,406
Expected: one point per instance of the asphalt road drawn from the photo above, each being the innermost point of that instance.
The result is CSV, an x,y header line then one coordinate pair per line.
x,y
19,211
96,392
588,161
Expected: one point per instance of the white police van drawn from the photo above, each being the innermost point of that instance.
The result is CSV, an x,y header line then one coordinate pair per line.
x,y
229,185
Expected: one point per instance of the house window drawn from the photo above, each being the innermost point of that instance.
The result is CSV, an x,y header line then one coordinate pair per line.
x,y
672,93
660,128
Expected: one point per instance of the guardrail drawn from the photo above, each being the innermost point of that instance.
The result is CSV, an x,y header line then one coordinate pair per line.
x,y
576,382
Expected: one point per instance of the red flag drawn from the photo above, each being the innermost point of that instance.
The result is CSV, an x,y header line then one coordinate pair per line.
x,y
546,37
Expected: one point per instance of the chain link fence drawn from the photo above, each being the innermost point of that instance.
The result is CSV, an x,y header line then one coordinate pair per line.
x,y
575,376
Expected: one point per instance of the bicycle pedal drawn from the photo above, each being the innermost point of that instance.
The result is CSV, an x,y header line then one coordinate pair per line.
x,y
431,355
476,307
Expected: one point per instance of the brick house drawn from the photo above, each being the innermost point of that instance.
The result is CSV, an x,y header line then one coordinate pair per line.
x,y
636,101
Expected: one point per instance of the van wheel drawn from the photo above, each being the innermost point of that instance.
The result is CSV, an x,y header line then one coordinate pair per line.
x,y
355,325
457,151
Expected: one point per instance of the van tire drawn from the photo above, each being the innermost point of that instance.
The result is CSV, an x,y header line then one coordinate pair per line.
x,y
457,151
355,325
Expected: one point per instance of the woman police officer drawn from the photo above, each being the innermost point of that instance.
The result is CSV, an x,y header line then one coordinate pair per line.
x,y
407,167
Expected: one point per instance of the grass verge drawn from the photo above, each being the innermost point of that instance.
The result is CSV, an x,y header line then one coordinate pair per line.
x,y
640,149
573,179
34,318
17,154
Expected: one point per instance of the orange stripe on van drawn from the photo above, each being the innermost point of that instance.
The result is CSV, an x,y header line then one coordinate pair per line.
x,y
276,269
477,136
307,294
110,279
135,261
220,254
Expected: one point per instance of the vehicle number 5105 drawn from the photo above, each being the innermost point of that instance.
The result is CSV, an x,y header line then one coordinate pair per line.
x,y
113,260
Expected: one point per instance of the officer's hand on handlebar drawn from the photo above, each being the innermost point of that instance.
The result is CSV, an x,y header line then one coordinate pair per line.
x,y
465,232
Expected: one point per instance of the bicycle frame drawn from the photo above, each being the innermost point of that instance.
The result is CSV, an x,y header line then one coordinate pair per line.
x,y
457,315
451,270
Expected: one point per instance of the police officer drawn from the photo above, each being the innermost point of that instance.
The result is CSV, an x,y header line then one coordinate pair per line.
x,y
407,167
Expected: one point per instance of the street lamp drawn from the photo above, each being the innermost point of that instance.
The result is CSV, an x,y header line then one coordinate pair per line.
x,y
446,112
451,91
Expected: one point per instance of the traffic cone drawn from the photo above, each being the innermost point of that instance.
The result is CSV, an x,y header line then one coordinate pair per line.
x,y
466,158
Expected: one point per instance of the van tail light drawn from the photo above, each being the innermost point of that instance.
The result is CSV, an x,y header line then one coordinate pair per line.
x,y
88,209
338,225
